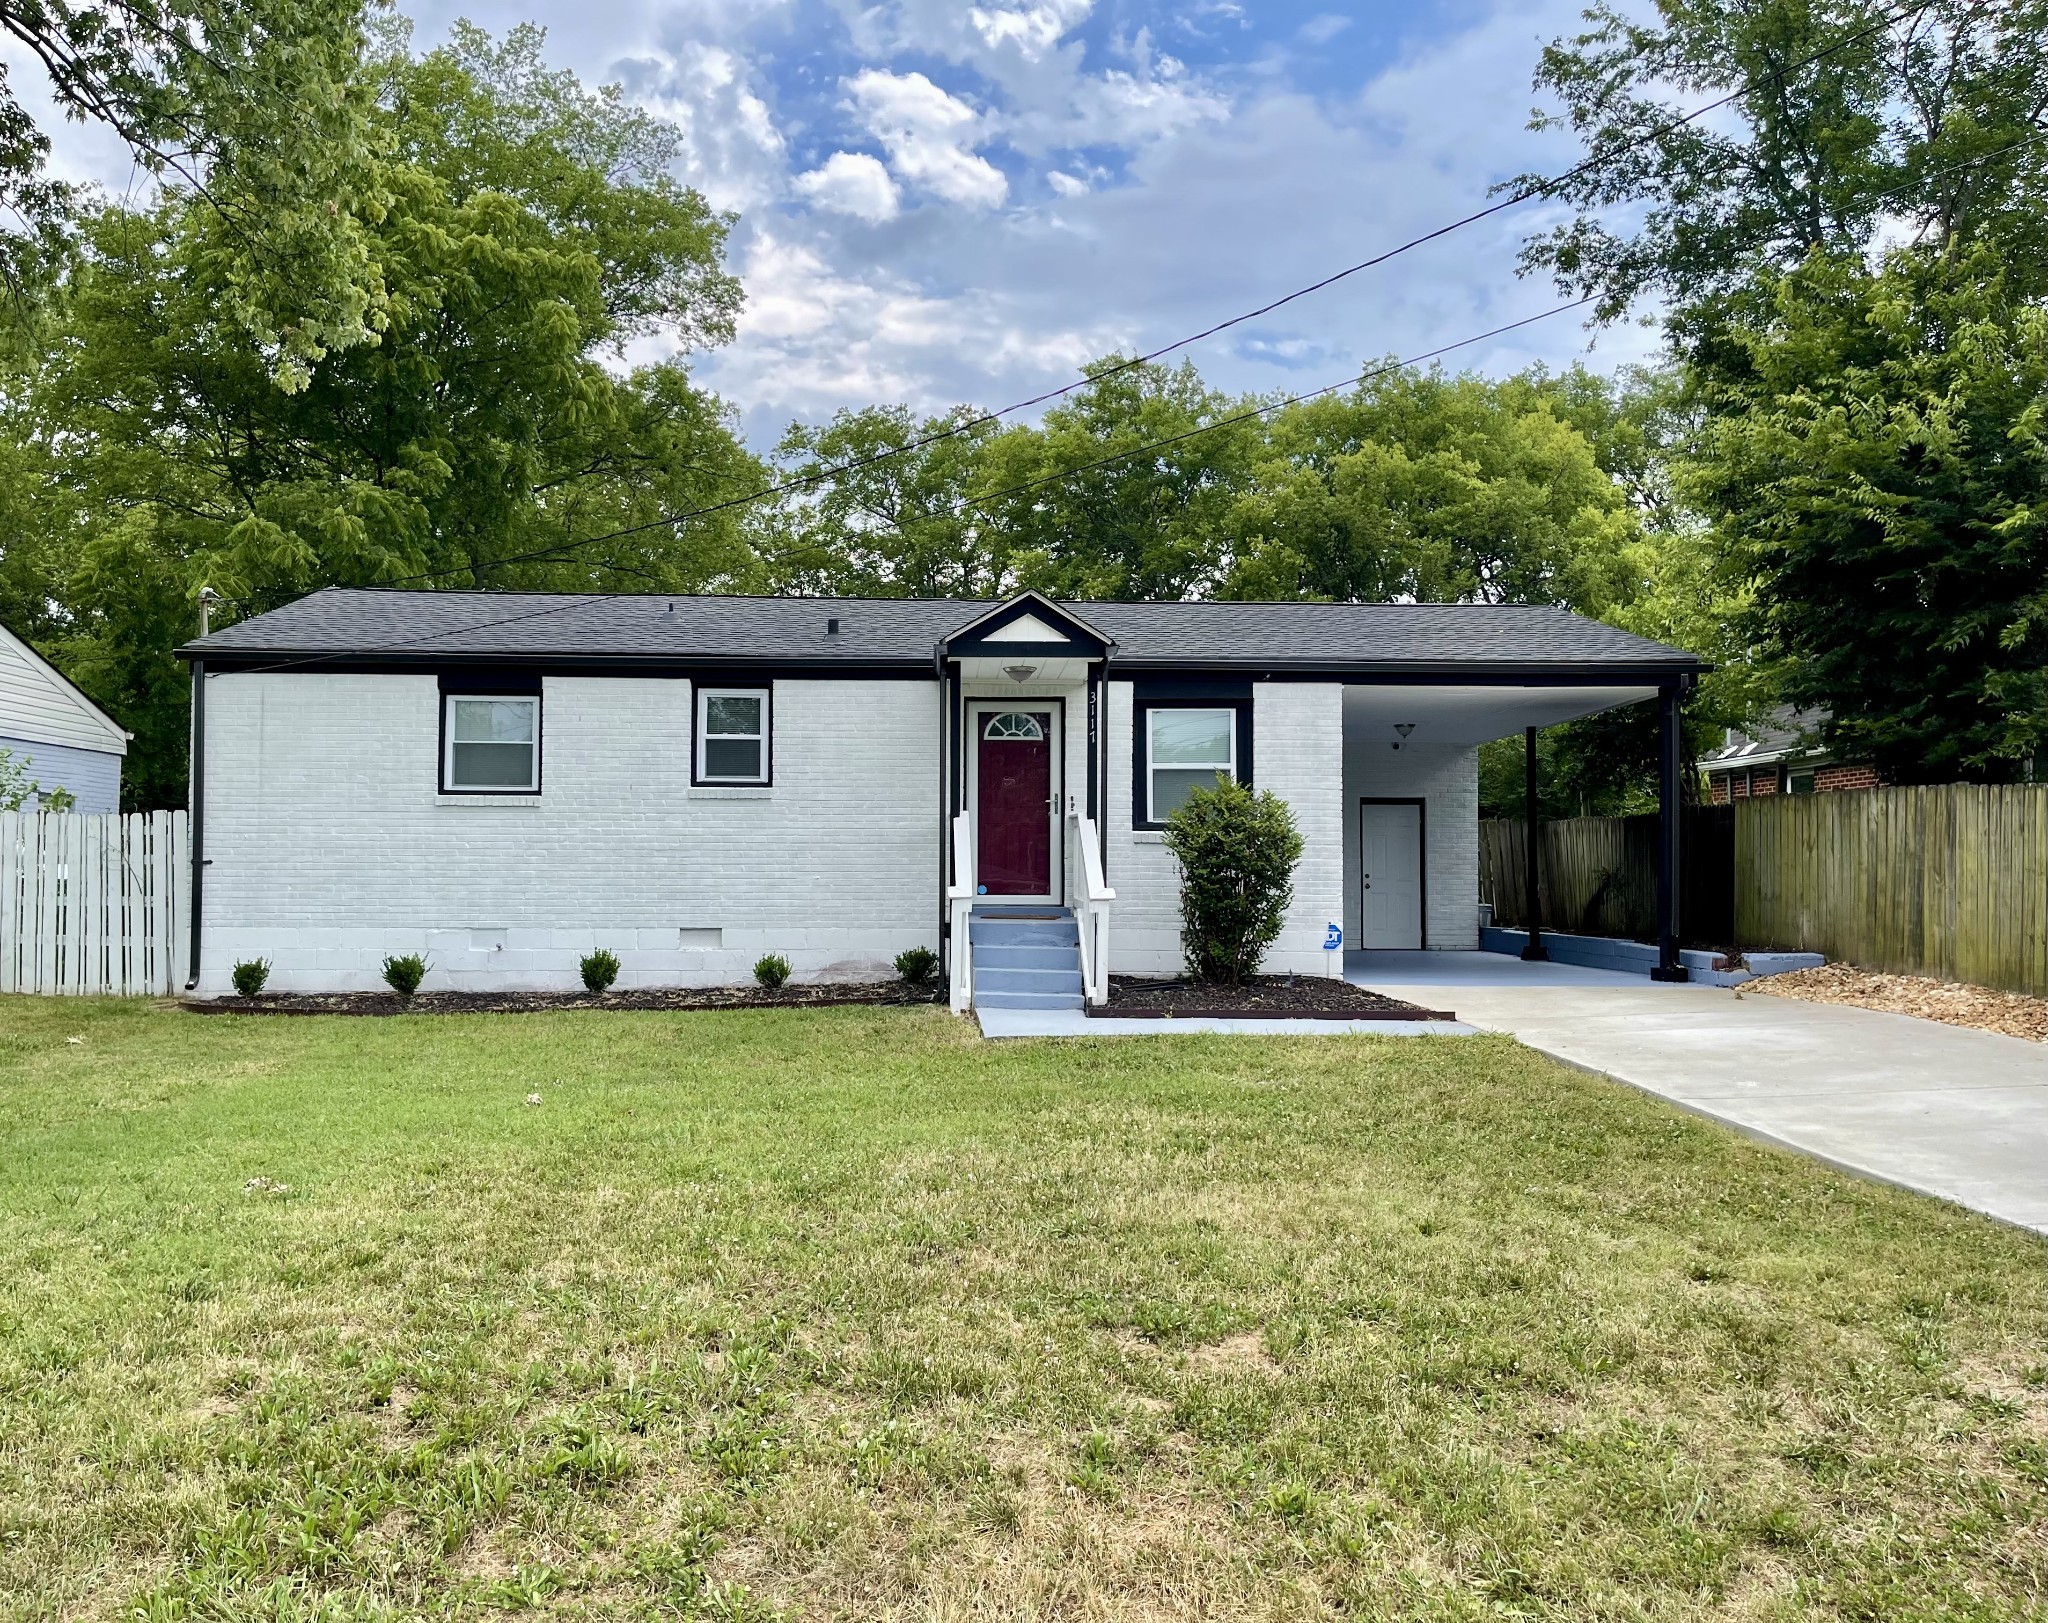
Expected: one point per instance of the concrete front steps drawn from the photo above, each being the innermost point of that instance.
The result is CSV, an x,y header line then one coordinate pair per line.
x,y
1025,958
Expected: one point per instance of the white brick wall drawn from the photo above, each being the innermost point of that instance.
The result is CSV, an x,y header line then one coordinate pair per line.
x,y
330,846
1446,778
1297,733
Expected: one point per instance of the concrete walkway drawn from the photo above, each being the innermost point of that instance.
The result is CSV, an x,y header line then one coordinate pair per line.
x,y
1946,1111
1073,1023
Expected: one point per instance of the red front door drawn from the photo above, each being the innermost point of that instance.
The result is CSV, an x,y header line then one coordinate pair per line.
x,y
1013,803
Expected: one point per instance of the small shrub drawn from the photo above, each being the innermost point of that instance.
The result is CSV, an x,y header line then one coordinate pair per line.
x,y
1237,851
600,969
917,965
250,974
403,975
771,970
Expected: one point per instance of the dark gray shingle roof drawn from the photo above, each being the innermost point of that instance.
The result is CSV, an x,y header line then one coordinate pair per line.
x,y
402,625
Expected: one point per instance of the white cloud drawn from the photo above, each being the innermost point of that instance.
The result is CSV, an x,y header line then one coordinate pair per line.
x,y
732,151
1065,184
1321,30
853,183
815,337
1034,30
929,136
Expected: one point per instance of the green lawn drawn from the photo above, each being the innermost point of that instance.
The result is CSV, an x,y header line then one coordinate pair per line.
x,y
845,1314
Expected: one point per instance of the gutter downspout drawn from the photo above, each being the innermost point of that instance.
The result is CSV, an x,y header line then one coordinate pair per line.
x,y
195,785
196,813
945,801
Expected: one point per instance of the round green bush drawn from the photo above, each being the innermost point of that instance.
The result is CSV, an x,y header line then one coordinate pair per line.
x,y
917,964
249,976
600,969
771,970
403,975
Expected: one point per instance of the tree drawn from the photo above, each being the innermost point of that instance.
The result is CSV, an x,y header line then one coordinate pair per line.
x,y
1446,489
483,440
1878,465
1095,503
1851,119
901,522
250,108
1853,265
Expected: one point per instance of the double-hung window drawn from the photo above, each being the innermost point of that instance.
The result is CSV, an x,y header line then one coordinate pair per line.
x,y
1185,750
733,735
491,743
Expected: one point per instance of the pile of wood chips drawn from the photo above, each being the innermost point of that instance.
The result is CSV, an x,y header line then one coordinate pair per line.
x,y
2013,1013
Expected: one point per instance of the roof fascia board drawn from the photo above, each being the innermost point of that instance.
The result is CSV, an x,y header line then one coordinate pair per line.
x,y
1435,673
1029,602
69,690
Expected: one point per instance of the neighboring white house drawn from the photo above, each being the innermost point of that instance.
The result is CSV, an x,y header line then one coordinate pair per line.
x,y
506,781
59,737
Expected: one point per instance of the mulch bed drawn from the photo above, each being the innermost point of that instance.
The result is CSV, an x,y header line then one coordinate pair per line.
x,y
1269,997
881,994
1954,1003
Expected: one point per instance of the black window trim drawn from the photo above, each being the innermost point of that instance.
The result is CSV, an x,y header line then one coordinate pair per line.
x,y
513,691
703,688
1183,695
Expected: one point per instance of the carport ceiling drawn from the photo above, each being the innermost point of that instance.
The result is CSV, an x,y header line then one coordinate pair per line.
x,y
1471,715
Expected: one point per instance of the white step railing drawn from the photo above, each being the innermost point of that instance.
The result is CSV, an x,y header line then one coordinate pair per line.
x,y
1092,897
960,907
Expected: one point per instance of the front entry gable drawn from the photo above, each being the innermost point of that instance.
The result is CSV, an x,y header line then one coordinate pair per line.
x,y
1029,623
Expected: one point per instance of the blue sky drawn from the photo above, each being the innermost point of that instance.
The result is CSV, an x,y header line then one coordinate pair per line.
x,y
943,203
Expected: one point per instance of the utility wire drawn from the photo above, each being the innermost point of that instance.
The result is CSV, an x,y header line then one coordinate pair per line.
x,y
968,425
986,497
583,600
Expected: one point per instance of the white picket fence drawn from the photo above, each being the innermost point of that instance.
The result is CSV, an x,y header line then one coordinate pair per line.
x,y
94,904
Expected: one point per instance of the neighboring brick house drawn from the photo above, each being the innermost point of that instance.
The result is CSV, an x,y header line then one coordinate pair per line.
x,y
504,782
1782,756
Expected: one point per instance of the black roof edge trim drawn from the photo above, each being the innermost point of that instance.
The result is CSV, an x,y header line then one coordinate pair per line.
x,y
1436,673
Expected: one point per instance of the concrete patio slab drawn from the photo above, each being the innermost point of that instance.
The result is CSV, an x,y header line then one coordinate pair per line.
x,y
1074,1023
1959,1114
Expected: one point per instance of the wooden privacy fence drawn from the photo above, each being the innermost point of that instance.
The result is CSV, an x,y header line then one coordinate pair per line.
x,y
1950,880
93,904
1599,875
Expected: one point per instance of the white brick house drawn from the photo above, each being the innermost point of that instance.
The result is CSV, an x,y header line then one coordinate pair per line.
x,y
504,782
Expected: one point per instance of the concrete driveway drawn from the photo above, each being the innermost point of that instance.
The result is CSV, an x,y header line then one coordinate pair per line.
x,y
1949,1112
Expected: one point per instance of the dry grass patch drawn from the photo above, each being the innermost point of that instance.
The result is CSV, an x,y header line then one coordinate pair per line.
x,y
847,1315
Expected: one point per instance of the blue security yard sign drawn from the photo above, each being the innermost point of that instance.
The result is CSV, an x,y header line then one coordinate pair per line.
x,y
1333,938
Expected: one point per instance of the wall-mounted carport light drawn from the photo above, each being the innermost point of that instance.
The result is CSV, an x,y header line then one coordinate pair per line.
x,y
1404,728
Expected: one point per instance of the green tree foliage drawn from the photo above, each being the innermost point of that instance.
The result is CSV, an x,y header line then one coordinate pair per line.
x,y
901,521
1854,266
1850,118
1446,489
1877,460
1237,851
251,109
534,231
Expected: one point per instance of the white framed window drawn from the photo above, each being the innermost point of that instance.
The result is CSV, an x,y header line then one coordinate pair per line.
x,y
733,735
1186,750
490,743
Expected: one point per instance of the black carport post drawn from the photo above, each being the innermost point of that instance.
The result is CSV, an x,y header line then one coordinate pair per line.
x,y
1533,895
1670,827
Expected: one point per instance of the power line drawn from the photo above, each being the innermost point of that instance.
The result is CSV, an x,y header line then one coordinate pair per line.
x,y
968,425
585,599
